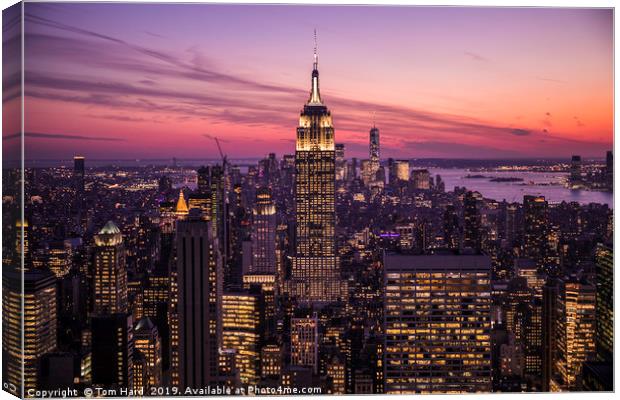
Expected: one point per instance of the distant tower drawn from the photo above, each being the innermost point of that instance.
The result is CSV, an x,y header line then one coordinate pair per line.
x,y
374,147
203,180
472,234
421,179
536,221
341,162
110,271
575,171
451,228
78,173
199,296
511,223
315,273
264,234
609,169
401,170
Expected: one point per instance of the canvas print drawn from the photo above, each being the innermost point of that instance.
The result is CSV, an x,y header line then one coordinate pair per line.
x,y
232,199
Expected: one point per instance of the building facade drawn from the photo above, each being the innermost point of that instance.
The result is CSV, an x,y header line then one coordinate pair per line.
x,y
241,333
305,342
437,324
29,332
263,234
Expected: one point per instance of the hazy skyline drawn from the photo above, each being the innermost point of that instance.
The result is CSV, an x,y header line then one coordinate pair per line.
x,y
156,80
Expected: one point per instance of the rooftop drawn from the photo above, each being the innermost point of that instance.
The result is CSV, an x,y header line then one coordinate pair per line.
x,y
397,262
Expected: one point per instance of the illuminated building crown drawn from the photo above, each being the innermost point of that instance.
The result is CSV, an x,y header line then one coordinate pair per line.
x,y
181,208
109,235
315,131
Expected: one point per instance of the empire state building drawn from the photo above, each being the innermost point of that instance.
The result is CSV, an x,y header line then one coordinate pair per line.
x,y
316,272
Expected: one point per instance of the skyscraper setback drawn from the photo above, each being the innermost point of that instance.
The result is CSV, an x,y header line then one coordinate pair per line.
x,y
315,272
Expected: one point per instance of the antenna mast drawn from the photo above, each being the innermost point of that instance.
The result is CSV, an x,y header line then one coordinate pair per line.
x,y
316,56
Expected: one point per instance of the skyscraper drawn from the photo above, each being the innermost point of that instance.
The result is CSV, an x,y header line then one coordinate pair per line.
x,y
203,180
609,169
27,332
398,171
536,221
437,324
401,168
199,295
352,169
604,303
374,151
78,173
549,322
112,350
510,226
110,271
451,227
315,272
341,162
421,179
575,331
533,340
263,234
148,342
241,332
305,342
211,180
471,215
575,171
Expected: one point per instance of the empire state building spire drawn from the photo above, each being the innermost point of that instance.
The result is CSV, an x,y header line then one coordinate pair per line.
x,y
315,95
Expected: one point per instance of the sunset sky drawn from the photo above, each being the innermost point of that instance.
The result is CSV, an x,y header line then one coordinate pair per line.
x,y
158,81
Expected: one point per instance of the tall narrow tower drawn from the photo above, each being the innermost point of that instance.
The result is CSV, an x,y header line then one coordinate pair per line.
x,y
199,297
374,149
78,173
316,275
110,271
264,234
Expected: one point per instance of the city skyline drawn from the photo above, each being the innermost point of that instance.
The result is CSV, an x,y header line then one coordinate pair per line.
x,y
148,87
313,272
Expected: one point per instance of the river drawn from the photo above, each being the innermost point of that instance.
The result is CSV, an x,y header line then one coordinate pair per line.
x,y
548,184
